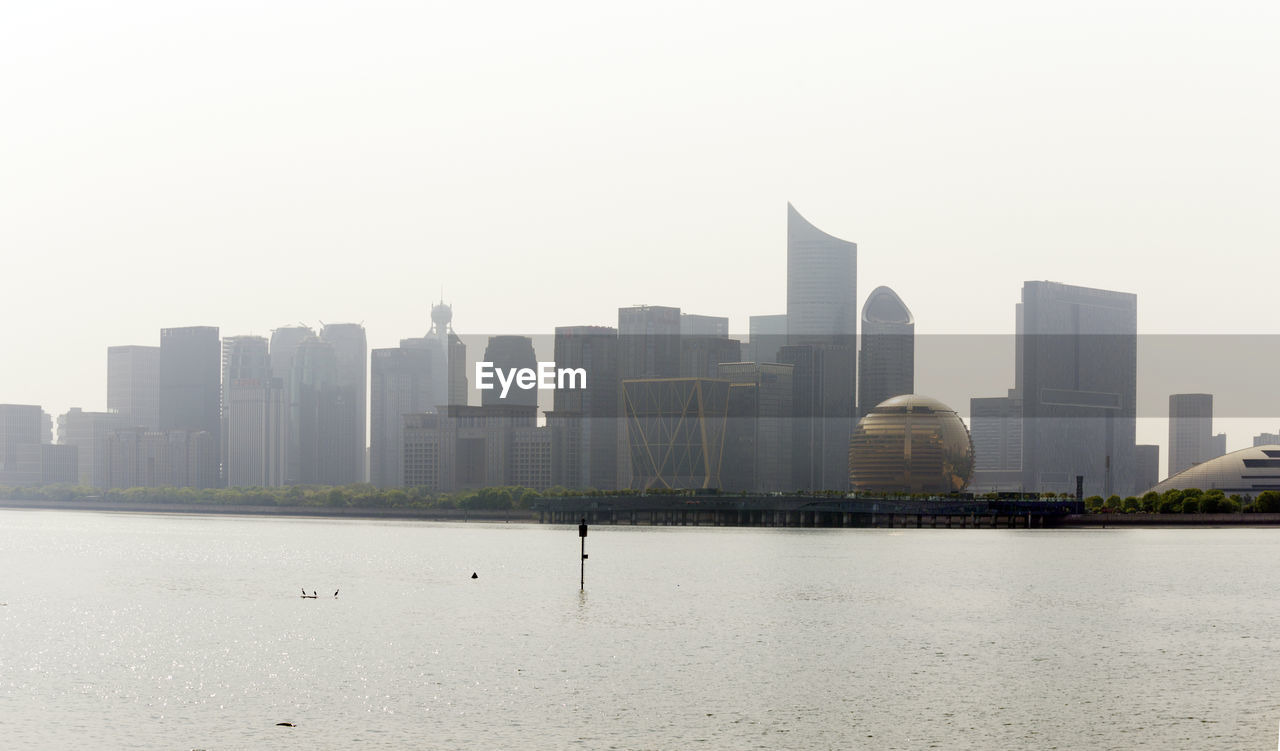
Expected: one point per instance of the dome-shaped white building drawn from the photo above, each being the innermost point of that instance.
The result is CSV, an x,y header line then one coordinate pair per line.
x,y
1245,472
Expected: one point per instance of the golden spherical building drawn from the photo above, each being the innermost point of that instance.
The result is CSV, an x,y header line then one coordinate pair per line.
x,y
910,444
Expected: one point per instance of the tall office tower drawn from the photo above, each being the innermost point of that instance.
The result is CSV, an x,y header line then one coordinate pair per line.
x,y
352,355
648,347
822,314
190,379
823,414
19,426
284,343
1217,446
768,334
758,435
584,422
89,432
255,423
676,431
321,414
402,383
701,355
648,342
191,393
244,358
696,325
1079,372
453,376
996,433
887,360
1190,430
1146,461
133,385
822,285
46,428
1267,439
508,353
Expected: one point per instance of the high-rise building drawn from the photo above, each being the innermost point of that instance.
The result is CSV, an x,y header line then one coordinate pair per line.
x,y
255,428
89,433
403,382
887,360
284,342
1078,370
1190,431
510,353
133,385
1217,446
696,325
675,430
19,425
648,342
244,358
822,285
454,375
585,422
352,358
1146,466
757,452
701,355
191,391
823,414
648,347
321,415
997,443
1267,439
768,334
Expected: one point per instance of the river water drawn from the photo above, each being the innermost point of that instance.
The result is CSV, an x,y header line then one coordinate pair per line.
x,y
180,632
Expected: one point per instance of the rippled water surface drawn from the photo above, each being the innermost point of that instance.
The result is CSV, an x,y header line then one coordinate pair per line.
x,y
149,631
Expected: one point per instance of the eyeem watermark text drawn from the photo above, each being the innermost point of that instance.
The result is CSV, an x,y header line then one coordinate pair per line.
x,y
546,377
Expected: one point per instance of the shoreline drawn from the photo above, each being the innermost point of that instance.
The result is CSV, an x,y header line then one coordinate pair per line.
x,y
319,512
531,516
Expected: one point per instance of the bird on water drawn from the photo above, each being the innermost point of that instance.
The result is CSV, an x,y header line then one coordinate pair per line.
x,y
335,594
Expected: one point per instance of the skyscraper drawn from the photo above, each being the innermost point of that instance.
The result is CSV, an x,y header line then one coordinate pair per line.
x,y
822,284
510,353
648,342
243,358
696,325
585,422
402,383
822,316
1190,430
767,334
133,385
284,343
256,417
190,391
758,435
886,362
351,354
19,426
322,409
1078,368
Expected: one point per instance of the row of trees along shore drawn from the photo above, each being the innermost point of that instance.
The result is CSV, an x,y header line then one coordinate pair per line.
x,y
364,495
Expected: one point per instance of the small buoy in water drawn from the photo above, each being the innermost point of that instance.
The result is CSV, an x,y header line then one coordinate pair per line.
x,y
285,725
474,575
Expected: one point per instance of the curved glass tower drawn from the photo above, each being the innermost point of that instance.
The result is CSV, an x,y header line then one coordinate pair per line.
x,y
886,363
822,284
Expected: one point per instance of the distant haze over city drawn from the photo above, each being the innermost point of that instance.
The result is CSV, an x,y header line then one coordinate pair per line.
x,y
252,168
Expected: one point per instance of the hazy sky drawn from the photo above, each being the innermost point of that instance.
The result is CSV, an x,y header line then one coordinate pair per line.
x,y
251,165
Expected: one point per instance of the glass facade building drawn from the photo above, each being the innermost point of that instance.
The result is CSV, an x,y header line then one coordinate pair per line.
x,y
910,444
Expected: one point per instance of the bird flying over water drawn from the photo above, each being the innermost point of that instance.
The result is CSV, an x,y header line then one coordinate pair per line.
x,y
335,593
